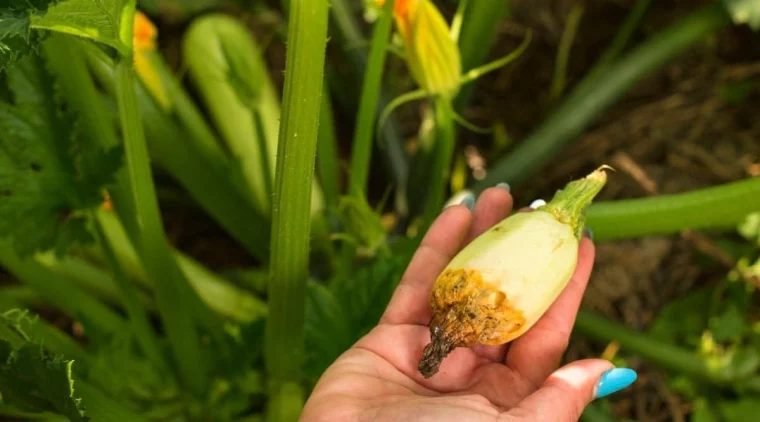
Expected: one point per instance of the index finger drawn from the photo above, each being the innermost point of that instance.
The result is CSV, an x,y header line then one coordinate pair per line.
x,y
447,234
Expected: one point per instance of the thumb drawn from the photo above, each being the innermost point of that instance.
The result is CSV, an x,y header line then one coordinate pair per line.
x,y
567,391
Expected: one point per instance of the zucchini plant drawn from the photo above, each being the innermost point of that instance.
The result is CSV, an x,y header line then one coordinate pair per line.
x,y
91,113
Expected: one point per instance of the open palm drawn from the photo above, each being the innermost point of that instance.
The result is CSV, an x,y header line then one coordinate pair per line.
x,y
377,379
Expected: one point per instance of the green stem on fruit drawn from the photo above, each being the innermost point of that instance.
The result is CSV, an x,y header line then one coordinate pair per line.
x,y
569,204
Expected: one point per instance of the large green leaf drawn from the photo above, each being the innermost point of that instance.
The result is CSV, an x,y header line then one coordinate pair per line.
x,y
23,23
16,37
48,171
32,379
338,316
99,20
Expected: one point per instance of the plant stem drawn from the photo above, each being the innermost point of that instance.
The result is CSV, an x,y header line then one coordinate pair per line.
x,y
443,150
67,297
391,145
328,155
141,328
479,33
218,294
716,207
299,131
668,356
65,59
597,92
173,293
370,94
622,37
563,53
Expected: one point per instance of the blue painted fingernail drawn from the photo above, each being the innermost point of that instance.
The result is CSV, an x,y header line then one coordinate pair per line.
x,y
614,380
505,186
537,203
468,201
588,233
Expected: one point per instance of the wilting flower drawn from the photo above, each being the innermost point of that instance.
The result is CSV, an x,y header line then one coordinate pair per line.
x,y
432,53
144,44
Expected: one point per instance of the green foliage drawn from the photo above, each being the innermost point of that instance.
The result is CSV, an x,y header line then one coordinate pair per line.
x,y
16,37
49,171
340,314
362,225
744,12
32,379
98,20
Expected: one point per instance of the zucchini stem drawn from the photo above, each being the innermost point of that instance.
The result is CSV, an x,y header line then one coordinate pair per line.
x,y
569,204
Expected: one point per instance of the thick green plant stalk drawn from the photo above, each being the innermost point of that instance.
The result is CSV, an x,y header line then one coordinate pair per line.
x,y
717,207
140,322
370,94
479,32
597,92
289,272
173,292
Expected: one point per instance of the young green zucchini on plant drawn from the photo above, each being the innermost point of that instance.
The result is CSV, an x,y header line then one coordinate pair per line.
x,y
498,286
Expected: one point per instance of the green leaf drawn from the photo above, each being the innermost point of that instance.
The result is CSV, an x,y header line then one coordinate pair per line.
x,y
98,20
703,412
744,409
744,12
361,223
730,325
684,318
48,171
338,316
327,330
750,228
35,381
366,293
16,37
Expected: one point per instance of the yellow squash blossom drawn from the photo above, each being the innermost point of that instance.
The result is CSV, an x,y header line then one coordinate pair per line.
x,y
144,44
432,53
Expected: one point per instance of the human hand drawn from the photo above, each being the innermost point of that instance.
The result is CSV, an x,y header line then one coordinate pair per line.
x,y
378,380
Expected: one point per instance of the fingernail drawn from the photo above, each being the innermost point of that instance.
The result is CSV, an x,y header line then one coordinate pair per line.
x,y
588,233
505,186
613,381
468,201
537,203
